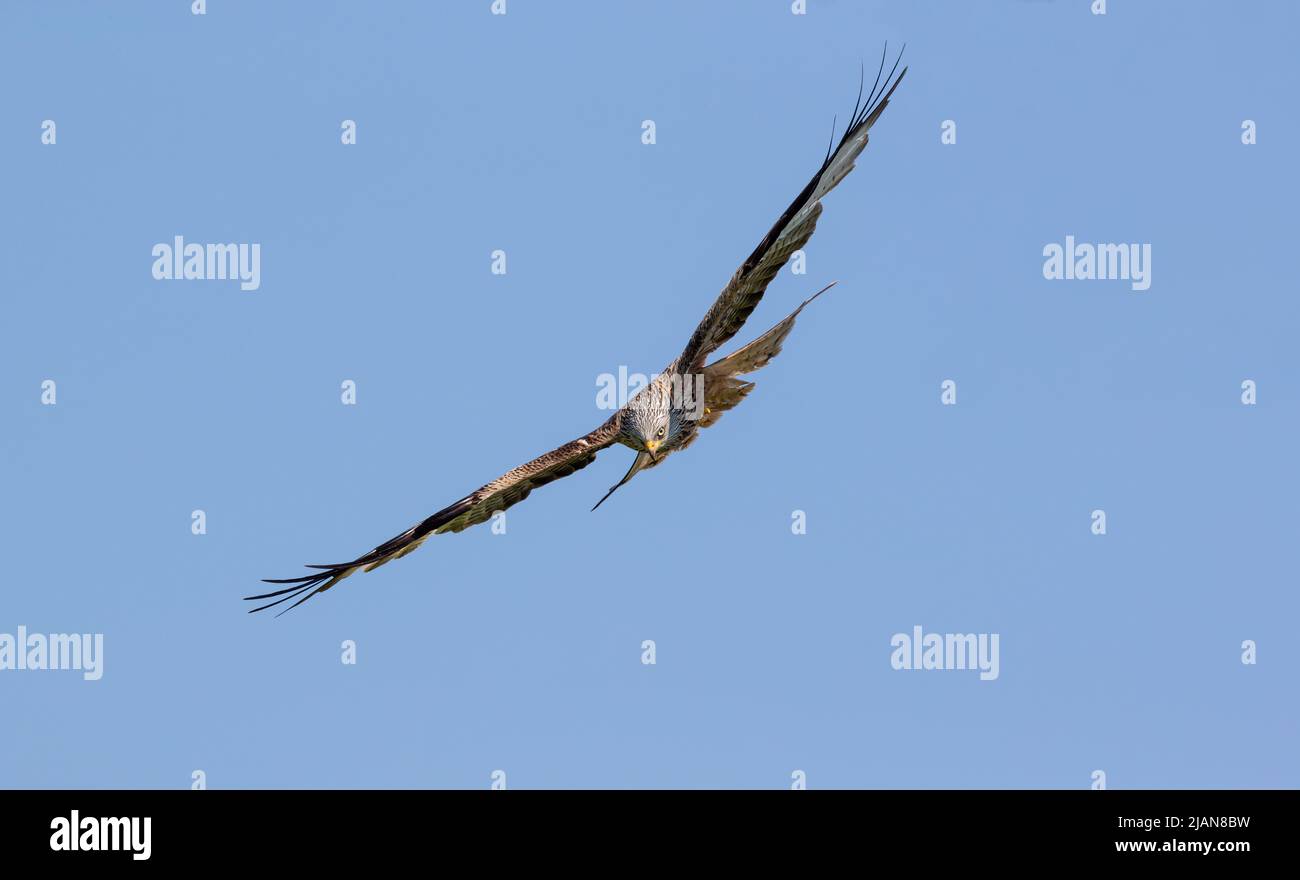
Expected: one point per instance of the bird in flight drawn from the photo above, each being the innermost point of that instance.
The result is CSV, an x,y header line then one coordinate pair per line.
x,y
666,415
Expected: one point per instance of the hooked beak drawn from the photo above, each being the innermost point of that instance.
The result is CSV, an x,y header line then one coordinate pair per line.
x,y
651,446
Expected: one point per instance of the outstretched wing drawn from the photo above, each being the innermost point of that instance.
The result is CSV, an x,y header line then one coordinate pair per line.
x,y
791,232
723,387
473,509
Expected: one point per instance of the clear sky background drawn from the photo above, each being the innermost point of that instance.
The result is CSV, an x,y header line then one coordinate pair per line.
x,y
522,652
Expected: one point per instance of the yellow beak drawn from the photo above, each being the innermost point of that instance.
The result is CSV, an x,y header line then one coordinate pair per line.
x,y
652,445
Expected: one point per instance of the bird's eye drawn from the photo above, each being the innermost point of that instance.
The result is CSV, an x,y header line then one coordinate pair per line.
x,y
660,435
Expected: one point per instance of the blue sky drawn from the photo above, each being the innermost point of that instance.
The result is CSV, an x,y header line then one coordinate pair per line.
x,y
522,652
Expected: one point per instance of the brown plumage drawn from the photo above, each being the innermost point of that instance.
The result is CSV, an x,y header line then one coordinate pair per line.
x,y
790,233
656,422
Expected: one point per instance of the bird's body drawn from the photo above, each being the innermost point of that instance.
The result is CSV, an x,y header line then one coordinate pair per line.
x,y
666,415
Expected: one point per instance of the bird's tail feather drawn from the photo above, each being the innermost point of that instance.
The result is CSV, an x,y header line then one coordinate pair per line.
x,y
722,389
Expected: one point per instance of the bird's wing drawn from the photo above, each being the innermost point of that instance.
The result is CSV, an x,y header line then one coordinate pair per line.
x,y
723,387
473,509
754,356
791,232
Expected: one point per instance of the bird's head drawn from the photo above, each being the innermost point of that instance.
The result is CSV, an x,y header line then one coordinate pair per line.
x,y
650,424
